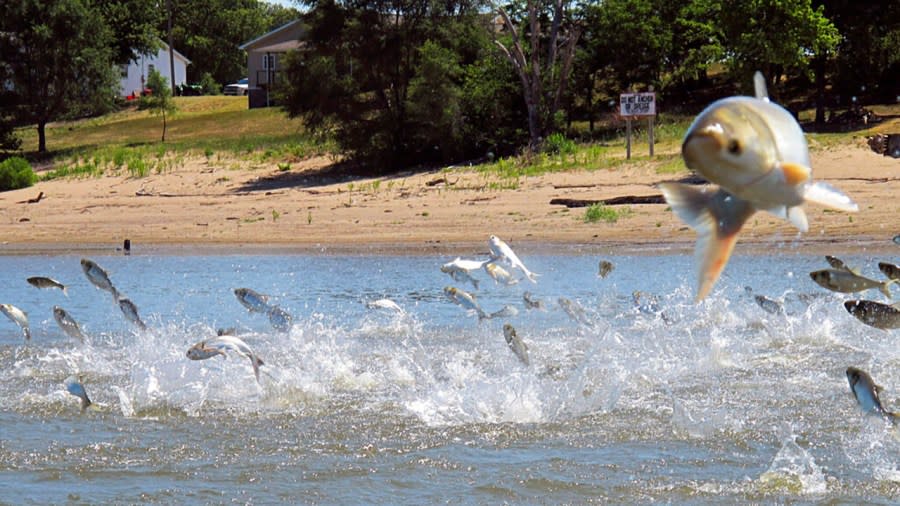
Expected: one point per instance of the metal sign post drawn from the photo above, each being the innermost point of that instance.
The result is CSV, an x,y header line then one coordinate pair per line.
x,y
632,105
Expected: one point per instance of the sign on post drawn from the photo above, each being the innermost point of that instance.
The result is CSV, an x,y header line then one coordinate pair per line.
x,y
632,105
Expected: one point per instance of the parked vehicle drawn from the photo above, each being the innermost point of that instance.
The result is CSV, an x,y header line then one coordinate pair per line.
x,y
239,88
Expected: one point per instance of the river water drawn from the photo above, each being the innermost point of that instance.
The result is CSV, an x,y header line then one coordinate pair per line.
x,y
662,401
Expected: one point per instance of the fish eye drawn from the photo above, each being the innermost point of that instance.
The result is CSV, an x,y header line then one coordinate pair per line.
x,y
734,147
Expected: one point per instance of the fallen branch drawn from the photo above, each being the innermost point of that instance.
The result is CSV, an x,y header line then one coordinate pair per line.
x,y
32,201
615,201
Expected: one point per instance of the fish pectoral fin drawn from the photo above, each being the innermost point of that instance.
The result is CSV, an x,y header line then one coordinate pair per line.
x,y
828,196
794,173
798,218
717,217
759,86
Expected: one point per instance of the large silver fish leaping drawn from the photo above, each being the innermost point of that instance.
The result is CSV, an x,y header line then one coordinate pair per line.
x,y
99,277
866,393
501,251
67,323
18,316
252,300
75,386
757,154
218,345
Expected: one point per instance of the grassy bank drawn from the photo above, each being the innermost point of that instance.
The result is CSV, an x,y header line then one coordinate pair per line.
x,y
223,130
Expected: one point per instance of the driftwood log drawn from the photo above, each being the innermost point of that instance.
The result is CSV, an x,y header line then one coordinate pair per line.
x,y
615,201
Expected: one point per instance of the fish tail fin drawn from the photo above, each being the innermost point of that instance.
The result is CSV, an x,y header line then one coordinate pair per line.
x,y
532,276
475,283
65,291
85,402
885,288
829,196
717,217
27,333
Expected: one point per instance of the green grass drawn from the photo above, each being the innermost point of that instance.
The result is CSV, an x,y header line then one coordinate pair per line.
x,y
203,126
600,212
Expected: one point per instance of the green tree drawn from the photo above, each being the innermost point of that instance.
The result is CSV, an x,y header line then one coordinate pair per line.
x,y
134,24
210,31
159,102
384,79
58,61
747,28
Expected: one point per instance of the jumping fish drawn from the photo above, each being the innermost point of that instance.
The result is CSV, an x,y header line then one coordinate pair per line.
x,y
519,348
604,268
98,277
866,393
42,282
575,311
769,305
890,270
501,251
75,387
848,282
67,323
532,303
466,300
280,319
506,311
18,316
755,151
253,301
218,345
131,312
874,314
499,274
384,304
839,265
459,273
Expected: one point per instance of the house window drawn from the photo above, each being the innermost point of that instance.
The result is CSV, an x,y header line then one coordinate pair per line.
x,y
268,62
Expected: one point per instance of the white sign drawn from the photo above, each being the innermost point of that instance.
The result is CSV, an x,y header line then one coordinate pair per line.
x,y
637,104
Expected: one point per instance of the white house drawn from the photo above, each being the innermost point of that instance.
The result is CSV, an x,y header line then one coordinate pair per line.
x,y
134,75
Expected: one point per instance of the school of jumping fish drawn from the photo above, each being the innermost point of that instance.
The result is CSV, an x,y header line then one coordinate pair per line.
x,y
752,149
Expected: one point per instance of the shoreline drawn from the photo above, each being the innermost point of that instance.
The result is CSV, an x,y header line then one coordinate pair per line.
x,y
217,208
775,246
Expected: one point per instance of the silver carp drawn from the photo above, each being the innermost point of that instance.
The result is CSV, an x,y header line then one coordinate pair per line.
x,y
866,393
519,348
756,152
67,323
874,314
129,309
466,300
220,344
98,277
75,386
18,316
43,282
252,300
848,282
501,251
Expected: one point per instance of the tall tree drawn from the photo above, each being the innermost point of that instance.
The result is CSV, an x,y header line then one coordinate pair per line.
x,y
382,77
134,24
59,60
747,27
541,46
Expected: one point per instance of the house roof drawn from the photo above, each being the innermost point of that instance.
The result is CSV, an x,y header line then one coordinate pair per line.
x,y
178,56
280,47
274,32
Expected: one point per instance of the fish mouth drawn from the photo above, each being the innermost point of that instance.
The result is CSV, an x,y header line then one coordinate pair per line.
x,y
702,143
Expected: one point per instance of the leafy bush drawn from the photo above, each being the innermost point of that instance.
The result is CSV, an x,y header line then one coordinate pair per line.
x,y
557,143
209,85
15,173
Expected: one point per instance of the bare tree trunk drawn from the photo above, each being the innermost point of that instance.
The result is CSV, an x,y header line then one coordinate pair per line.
x,y
541,108
42,136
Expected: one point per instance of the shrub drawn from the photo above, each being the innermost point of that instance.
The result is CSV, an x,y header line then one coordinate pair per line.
x,y
15,173
209,85
557,143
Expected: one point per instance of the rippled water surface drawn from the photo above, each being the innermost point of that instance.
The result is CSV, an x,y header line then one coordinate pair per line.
x,y
662,401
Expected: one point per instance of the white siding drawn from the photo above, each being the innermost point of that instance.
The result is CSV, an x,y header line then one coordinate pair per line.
x,y
139,69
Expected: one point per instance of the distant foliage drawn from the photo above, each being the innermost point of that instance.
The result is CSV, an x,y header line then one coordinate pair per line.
x,y
209,85
16,173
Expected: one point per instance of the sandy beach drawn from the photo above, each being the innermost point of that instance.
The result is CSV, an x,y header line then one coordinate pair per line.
x,y
219,204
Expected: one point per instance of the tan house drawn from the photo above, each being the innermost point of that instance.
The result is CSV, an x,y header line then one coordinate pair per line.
x,y
264,56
